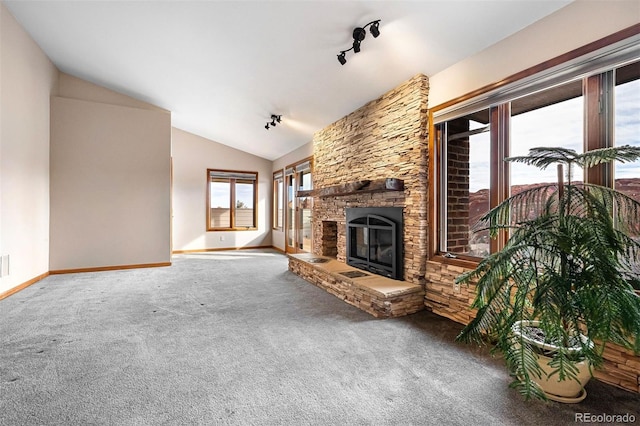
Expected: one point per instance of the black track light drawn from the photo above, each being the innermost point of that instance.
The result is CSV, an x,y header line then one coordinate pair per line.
x,y
359,33
275,119
356,46
375,30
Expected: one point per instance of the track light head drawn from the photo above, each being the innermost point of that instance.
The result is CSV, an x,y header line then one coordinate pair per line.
x,y
278,118
267,126
375,30
356,46
273,123
342,59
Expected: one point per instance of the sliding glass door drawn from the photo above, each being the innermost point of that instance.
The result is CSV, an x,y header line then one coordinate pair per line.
x,y
299,207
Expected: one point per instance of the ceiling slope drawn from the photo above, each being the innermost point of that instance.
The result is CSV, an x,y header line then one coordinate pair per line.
x,y
223,67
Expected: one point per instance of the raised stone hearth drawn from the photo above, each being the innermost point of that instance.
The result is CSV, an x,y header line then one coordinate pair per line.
x,y
379,296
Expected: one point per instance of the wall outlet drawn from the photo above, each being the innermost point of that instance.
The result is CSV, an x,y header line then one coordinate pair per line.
x,y
4,265
456,287
221,237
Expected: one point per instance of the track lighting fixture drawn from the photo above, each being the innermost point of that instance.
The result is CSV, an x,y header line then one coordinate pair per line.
x,y
359,33
275,119
341,58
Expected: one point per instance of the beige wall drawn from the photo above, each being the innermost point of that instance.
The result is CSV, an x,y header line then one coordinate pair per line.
x,y
110,179
192,156
573,26
27,79
76,88
299,154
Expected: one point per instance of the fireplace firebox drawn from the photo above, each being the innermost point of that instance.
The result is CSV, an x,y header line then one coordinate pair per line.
x,y
374,240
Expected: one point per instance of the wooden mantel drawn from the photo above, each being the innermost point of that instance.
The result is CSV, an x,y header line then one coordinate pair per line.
x,y
358,187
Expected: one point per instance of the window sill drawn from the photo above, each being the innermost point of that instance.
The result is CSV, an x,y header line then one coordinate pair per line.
x,y
230,229
463,262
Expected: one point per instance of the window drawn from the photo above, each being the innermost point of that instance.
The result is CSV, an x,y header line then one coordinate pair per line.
x,y
231,200
626,131
577,107
627,125
553,118
278,200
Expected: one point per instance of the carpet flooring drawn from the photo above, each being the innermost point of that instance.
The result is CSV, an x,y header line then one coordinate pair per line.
x,y
233,338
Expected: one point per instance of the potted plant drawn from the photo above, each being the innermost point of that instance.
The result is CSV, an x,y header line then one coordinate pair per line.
x,y
563,284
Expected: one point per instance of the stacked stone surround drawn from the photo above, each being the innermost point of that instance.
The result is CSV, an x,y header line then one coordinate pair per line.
x,y
444,298
621,368
386,138
379,296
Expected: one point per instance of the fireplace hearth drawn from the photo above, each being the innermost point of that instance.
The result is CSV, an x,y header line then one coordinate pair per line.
x,y
374,240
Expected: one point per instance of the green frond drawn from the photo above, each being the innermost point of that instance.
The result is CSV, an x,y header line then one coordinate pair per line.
x,y
543,157
622,154
522,363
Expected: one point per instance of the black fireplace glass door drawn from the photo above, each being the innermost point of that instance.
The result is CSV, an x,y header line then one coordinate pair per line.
x,y
381,249
359,236
374,240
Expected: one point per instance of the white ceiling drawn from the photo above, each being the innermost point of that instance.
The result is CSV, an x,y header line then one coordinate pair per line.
x,y
223,67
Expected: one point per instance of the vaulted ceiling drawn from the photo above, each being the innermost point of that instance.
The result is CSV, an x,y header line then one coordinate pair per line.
x,y
223,67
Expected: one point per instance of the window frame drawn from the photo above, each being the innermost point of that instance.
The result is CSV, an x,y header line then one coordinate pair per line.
x,y
232,180
593,64
278,201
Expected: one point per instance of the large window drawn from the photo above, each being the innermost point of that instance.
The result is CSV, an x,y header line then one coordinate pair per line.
x,y
627,125
231,200
588,110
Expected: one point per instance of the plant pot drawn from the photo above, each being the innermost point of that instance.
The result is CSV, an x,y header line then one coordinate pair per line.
x,y
567,391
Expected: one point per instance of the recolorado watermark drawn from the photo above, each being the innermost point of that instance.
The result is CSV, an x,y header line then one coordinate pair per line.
x,y
604,418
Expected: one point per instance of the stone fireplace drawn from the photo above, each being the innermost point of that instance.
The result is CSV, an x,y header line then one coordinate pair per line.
x,y
358,162
374,158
